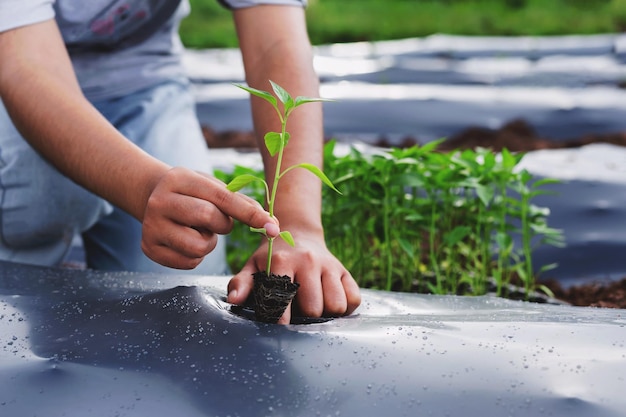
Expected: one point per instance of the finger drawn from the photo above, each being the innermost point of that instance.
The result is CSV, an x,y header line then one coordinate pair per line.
x,y
186,241
205,187
271,229
240,286
251,200
237,205
168,257
248,213
352,292
198,214
309,297
335,302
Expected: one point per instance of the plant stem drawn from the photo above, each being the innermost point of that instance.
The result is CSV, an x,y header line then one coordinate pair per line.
x,y
526,245
432,244
388,252
272,197
270,245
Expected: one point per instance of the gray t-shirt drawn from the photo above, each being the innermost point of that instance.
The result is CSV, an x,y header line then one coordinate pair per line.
x,y
116,46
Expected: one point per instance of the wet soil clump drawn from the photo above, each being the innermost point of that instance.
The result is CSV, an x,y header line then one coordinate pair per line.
x,y
271,295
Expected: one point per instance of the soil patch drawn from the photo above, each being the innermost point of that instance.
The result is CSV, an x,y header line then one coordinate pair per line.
x,y
610,294
271,295
516,136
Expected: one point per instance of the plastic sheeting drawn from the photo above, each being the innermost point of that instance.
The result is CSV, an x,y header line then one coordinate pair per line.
x,y
83,343
434,87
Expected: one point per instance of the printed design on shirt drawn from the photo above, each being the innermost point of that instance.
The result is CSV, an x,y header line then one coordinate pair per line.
x,y
113,24
121,15
233,4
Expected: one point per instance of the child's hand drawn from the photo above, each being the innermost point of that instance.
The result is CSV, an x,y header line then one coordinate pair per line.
x,y
185,212
326,287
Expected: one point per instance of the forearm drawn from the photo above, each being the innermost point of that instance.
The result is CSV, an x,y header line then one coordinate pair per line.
x,y
70,134
50,111
288,62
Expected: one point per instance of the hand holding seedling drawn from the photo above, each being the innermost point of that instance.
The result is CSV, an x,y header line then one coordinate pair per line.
x,y
326,286
185,212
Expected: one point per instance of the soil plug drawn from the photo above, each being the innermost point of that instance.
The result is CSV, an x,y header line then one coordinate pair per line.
x,y
272,295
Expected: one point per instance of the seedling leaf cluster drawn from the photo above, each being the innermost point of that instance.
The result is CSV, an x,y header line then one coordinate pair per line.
x,y
421,220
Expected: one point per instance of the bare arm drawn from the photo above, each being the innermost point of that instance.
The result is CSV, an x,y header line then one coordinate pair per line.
x,y
40,91
180,209
275,46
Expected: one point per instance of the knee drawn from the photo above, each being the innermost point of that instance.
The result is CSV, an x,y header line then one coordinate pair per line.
x,y
38,205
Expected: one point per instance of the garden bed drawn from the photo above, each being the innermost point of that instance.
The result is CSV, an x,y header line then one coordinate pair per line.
x,y
551,95
517,136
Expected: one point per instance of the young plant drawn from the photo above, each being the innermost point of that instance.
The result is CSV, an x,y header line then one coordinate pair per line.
x,y
416,219
275,142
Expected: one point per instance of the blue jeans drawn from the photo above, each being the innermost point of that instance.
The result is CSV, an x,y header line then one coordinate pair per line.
x,y
41,210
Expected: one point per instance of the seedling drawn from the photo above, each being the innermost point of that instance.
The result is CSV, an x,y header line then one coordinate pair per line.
x,y
420,220
275,142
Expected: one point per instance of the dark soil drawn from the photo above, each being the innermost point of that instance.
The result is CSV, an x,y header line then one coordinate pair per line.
x,y
272,295
516,136
610,294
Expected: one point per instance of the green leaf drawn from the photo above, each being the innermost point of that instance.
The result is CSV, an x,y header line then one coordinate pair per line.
x,y
259,93
406,247
318,173
546,290
457,234
300,100
485,194
508,160
273,142
286,236
548,267
260,230
545,181
329,149
281,93
289,106
504,240
241,181
408,179
429,146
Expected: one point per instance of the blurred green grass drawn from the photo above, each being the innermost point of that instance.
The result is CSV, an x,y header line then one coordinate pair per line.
x,y
331,21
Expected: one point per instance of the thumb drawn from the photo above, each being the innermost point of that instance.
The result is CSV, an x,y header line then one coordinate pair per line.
x,y
249,211
271,229
240,286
